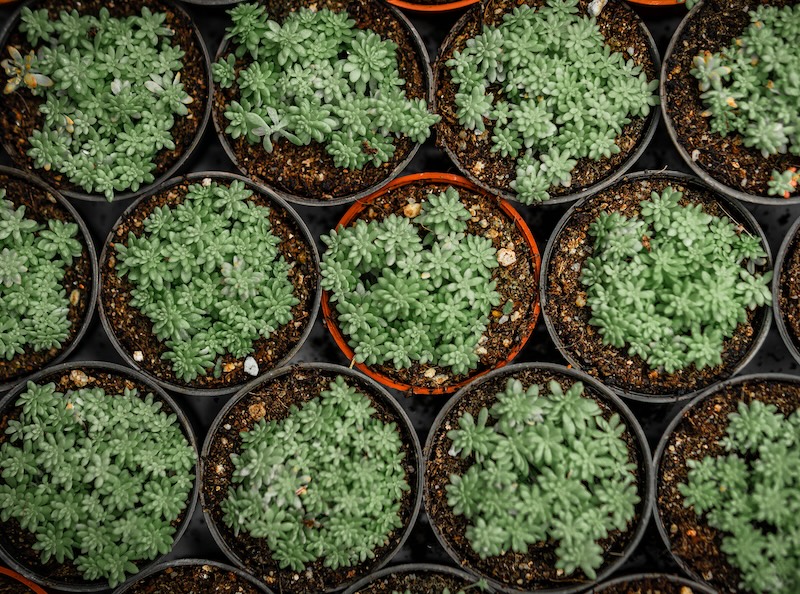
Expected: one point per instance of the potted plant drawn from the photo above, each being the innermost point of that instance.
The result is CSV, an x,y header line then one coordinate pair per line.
x,y
430,283
193,575
310,478
414,578
14,583
729,98
785,291
432,6
537,479
207,282
657,286
542,102
85,500
48,277
323,104
726,485
109,118
650,583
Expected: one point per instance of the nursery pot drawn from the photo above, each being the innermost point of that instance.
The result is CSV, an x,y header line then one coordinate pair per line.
x,y
118,323
660,392
453,539
15,577
447,133
188,564
675,581
216,460
722,153
385,577
239,150
76,375
86,296
457,182
444,7
16,148
783,263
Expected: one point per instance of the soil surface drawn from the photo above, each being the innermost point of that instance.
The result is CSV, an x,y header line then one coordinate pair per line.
x,y
624,32
535,570
789,291
19,112
42,206
566,298
10,586
725,158
427,582
194,579
134,330
518,282
308,171
272,400
653,585
695,437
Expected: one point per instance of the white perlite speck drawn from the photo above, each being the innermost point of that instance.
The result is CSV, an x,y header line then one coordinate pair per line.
x,y
250,366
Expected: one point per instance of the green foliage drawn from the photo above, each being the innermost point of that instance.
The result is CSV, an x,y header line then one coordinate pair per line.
x,y
751,87
111,90
413,290
750,495
317,78
784,183
209,276
97,478
326,482
548,466
552,91
672,283
33,260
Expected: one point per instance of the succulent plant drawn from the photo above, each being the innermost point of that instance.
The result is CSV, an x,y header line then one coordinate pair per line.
x,y
783,183
99,479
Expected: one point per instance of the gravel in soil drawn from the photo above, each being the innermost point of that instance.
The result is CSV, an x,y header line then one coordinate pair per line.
x,y
427,582
9,586
654,585
789,291
194,579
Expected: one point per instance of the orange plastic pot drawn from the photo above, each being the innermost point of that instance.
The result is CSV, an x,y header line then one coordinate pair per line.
x,y
657,2
13,574
457,182
433,7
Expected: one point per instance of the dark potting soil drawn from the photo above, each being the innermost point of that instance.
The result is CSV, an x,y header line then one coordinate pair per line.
x,y
427,582
518,282
17,541
725,158
568,311
536,569
650,585
42,206
309,171
194,579
789,291
9,586
694,438
272,400
134,330
623,31
19,111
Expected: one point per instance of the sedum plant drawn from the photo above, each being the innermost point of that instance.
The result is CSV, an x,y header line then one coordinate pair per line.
x,y
317,78
110,89
324,483
209,276
749,494
99,479
673,282
415,290
34,258
549,91
546,466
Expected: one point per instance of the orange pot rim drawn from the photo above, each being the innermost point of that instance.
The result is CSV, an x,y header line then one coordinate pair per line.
x,y
22,580
658,2
433,7
455,180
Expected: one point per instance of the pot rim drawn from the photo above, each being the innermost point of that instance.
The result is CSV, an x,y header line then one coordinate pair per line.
x,y
21,579
602,392
780,261
192,561
410,568
445,7
675,579
190,177
764,318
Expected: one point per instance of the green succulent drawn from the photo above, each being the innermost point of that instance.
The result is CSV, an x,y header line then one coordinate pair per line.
x,y
783,183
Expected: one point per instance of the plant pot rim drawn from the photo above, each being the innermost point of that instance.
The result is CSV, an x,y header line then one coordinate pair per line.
x,y
418,45
378,392
188,432
762,320
665,438
445,7
653,3
701,172
22,580
675,579
409,568
77,194
191,177
463,183
191,562
602,392
94,269
780,262
651,123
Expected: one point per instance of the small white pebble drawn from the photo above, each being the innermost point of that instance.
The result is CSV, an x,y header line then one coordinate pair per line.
x,y
596,7
506,257
502,320
695,154
430,372
138,356
250,366
206,182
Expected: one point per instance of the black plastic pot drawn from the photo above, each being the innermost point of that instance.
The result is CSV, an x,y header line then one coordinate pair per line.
x,y
196,177
677,581
650,126
737,213
404,425
77,193
86,240
780,319
411,568
130,584
147,387
599,391
424,61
